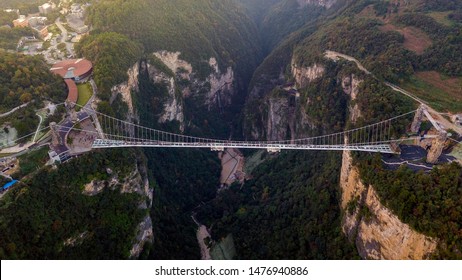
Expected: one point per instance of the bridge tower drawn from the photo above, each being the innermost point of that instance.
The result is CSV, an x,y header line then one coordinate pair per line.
x,y
437,147
417,122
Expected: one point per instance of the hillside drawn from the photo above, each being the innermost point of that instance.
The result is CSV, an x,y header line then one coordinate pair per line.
x,y
244,69
198,29
24,79
396,42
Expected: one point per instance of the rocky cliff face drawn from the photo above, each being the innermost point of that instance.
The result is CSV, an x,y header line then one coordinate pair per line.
x,y
323,3
379,234
216,91
278,119
173,104
305,75
135,182
221,85
282,116
125,90
350,85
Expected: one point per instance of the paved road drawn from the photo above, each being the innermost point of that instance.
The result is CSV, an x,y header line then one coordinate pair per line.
x,y
64,35
38,128
435,114
414,157
14,110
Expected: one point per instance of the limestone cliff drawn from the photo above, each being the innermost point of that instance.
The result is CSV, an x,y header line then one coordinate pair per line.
x,y
221,85
134,182
323,3
125,89
305,75
350,85
278,119
380,234
172,103
181,81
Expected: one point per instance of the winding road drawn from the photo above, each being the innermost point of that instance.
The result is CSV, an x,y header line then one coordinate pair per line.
x,y
14,110
435,114
64,35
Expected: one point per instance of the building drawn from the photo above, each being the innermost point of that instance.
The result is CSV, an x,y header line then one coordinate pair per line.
x,y
75,69
457,119
22,21
45,8
76,23
73,94
44,32
37,21
39,24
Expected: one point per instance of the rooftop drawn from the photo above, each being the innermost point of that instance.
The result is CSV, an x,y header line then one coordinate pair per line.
x,y
72,68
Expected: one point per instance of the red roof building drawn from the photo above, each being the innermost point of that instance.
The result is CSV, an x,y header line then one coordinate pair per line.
x,y
73,94
76,69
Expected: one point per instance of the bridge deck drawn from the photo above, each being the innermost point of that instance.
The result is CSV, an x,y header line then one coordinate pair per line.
x,y
376,148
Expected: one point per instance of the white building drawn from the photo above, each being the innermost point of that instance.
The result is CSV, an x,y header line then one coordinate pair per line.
x,y
45,8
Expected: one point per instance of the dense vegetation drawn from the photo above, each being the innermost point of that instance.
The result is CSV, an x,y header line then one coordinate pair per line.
x,y
112,55
198,29
24,6
431,202
24,79
285,18
182,179
290,207
7,18
50,209
289,210
9,37
444,54
441,5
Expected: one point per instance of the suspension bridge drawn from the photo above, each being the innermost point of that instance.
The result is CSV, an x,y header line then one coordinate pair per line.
x,y
111,132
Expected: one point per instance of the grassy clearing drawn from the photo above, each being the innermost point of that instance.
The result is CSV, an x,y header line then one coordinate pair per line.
x,y
442,18
442,93
54,29
85,93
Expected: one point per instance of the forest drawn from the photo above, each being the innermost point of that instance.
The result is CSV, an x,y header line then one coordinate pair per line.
x,y
112,55
430,203
289,207
198,29
288,210
7,18
9,37
24,79
43,217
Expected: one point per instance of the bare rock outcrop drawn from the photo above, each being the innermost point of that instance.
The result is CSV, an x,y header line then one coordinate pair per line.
x,y
305,75
221,85
351,85
417,122
125,89
278,118
323,3
135,182
144,234
381,235
384,236
437,147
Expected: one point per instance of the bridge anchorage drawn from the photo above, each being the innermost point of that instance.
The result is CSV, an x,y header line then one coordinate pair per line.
x,y
111,132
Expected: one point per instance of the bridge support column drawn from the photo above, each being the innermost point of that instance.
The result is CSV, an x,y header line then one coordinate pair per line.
x,y
415,127
437,147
